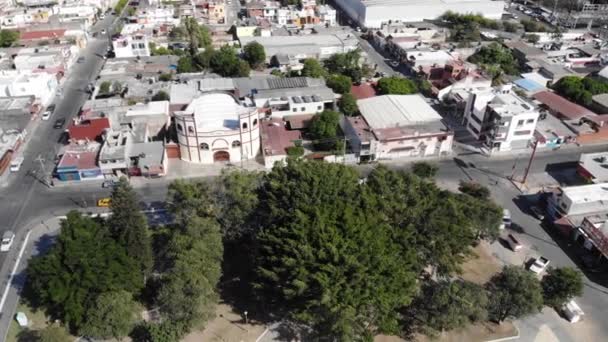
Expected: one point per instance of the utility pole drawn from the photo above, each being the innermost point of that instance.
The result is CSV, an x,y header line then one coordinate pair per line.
x,y
530,162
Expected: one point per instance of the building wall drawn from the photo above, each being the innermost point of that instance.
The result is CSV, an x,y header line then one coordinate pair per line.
x,y
422,146
191,141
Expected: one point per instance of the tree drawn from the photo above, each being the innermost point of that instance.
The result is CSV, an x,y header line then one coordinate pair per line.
x,y
131,11
515,293
83,263
161,95
509,26
495,54
561,285
324,129
532,26
348,104
424,169
397,86
332,265
474,189
346,64
184,65
129,226
236,200
8,37
165,77
340,84
197,35
52,333
447,305
226,63
580,90
254,54
104,87
112,316
312,68
532,38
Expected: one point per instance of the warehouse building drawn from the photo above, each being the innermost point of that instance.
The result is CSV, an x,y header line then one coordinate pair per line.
x,y
372,13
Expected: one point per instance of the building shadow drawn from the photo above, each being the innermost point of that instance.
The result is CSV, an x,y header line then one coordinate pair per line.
x,y
564,173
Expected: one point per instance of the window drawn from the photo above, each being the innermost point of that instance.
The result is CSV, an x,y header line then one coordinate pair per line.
x,y
302,109
520,123
522,132
204,146
190,129
236,143
319,107
529,121
179,128
472,128
255,122
244,125
476,119
295,110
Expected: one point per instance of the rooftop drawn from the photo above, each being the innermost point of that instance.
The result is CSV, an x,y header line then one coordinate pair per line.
x,y
276,138
595,194
388,111
601,99
509,104
524,48
563,107
80,157
216,111
596,164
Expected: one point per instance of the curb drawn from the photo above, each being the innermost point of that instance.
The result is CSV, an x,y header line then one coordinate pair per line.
x,y
509,338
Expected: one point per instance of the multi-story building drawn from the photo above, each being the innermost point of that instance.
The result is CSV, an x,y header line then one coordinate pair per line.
x,y
500,118
215,127
132,45
40,85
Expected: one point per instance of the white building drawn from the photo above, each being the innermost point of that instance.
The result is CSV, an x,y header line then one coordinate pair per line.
x,y
327,15
40,85
373,13
580,200
131,45
215,127
499,117
397,126
77,13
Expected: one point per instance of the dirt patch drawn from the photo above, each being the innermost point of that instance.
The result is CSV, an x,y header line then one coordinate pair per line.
x,y
481,266
228,326
475,333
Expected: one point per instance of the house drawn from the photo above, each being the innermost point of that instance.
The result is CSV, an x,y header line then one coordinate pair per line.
x,y
10,141
40,85
54,60
276,139
131,45
551,132
500,118
560,107
396,126
79,163
593,167
216,127
524,52
85,130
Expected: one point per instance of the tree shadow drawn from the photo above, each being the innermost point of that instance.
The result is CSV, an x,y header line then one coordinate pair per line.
x,y
28,335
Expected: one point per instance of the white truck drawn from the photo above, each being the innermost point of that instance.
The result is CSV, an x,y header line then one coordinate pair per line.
x,y
539,265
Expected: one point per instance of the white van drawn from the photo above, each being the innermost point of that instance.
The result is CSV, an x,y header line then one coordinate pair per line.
x,y
506,219
16,164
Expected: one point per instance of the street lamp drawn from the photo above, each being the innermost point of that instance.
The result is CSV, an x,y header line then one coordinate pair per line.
x,y
245,313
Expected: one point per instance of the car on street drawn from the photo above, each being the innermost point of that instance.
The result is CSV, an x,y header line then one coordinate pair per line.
x,y
48,112
104,202
7,241
514,243
506,219
572,311
103,31
80,59
59,123
539,265
102,16
16,164
537,212
108,184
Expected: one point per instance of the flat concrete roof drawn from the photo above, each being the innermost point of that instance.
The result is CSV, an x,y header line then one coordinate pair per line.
x,y
389,111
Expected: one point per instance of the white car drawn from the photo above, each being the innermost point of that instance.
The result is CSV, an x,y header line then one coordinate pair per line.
x,y
46,115
16,164
506,219
539,265
572,312
7,241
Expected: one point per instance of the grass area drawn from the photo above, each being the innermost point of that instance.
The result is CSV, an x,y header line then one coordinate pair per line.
x,y
477,332
481,266
37,320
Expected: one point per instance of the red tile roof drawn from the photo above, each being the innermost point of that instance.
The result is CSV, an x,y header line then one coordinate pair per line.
x,y
89,129
363,91
45,34
562,107
276,138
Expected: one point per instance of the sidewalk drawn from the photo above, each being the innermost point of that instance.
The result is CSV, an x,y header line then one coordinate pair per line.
x,y
36,238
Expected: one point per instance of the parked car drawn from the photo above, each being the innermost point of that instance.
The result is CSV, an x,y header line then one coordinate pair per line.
x,y
514,243
7,241
59,123
48,112
16,164
104,202
539,265
572,312
506,219
538,212
80,59
108,184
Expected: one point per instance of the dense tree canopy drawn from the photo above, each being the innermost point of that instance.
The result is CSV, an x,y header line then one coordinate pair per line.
x,y
112,316
340,84
396,86
312,68
324,129
347,64
515,292
348,104
226,63
52,333
496,59
474,189
447,305
161,95
561,285
129,226
254,54
84,263
580,90
8,37
424,169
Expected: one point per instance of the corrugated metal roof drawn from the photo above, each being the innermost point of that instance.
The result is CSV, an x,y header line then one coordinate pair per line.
x,y
396,110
